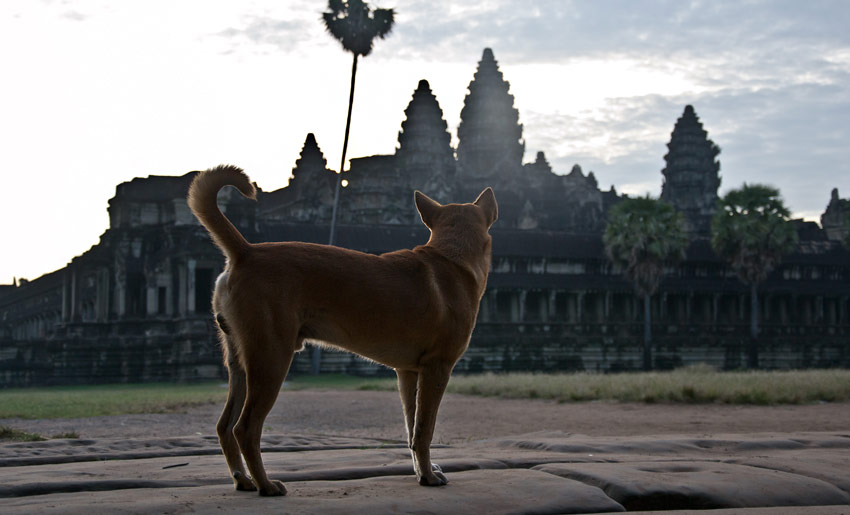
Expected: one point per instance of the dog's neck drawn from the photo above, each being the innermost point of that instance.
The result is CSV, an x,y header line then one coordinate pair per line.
x,y
464,255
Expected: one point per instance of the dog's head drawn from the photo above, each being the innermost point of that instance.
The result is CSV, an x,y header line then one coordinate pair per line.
x,y
461,229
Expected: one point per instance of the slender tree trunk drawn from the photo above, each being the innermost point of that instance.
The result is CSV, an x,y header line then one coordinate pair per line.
x,y
316,361
647,332
331,239
753,349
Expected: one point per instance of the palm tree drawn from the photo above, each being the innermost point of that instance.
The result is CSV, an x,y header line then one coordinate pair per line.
x,y
643,235
752,231
355,25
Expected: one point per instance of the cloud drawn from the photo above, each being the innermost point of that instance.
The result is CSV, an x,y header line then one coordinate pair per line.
x,y
73,16
282,35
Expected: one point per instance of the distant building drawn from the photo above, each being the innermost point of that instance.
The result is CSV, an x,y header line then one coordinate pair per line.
x,y
136,306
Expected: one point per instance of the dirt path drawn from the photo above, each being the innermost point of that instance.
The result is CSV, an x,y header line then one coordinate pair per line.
x,y
464,418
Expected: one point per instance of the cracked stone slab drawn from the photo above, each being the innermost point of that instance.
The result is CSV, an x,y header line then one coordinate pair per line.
x,y
790,465
826,465
561,442
179,471
74,450
699,485
471,492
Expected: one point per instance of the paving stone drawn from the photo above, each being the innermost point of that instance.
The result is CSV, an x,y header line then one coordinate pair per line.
x,y
74,450
179,471
472,492
567,443
699,485
824,464
341,475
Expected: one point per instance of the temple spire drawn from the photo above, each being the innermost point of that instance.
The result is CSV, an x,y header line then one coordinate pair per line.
x,y
691,174
425,154
490,146
310,172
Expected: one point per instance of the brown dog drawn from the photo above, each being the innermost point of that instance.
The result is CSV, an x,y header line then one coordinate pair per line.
x,y
412,310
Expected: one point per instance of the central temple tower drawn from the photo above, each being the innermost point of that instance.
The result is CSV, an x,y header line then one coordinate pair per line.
x,y
691,177
490,145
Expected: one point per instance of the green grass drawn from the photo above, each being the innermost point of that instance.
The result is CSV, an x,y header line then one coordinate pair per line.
x,y
332,382
16,435
692,385
122,399
97,400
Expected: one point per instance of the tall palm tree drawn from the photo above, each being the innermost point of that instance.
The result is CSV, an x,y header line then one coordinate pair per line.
x,y
642,236
355,25
752,231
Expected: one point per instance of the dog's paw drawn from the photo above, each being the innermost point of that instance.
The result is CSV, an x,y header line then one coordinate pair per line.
x,y
274,488
243,483
435,478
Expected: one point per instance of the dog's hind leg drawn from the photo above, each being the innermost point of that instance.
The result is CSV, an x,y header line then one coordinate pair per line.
x,y
264,373
430,388
232,408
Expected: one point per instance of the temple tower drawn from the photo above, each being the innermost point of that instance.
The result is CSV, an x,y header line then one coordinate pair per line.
x,y
424,153
311,169
309,195
490,145
836,219
691,177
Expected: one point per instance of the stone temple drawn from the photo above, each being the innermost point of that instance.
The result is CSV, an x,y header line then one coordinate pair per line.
x,y
136,306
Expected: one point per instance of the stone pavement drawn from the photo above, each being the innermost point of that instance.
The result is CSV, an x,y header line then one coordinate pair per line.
x,y
547,472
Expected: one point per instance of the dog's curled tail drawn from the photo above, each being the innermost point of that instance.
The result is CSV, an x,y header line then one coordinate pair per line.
x,y
202,202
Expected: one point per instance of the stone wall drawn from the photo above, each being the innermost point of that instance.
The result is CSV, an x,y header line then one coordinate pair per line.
x,y
111,359
495,347
604,348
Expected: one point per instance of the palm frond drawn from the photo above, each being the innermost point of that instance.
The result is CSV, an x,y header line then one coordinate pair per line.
x,y
355,25
752,231
644,235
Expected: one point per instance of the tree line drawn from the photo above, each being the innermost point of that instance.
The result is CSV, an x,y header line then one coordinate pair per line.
x,y
751,230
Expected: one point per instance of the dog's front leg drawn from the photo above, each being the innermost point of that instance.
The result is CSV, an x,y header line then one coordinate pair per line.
x,y
430,388
407,391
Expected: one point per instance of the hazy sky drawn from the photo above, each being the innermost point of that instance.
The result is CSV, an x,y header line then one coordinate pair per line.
x,y
95,93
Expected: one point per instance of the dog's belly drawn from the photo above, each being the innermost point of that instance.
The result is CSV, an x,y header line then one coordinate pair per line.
x,y
402,351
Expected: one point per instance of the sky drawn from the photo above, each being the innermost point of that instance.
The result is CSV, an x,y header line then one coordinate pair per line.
x,y
95,93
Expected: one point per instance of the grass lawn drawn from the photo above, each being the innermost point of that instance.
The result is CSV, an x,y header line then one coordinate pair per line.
x,y
113,399
692,385
688,385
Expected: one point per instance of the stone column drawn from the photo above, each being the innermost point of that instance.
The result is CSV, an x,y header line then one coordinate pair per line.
x,y
715,308
74,296
66,297
493,304
152,300
579,302
742,302
521,308
553,306
190,286
102,302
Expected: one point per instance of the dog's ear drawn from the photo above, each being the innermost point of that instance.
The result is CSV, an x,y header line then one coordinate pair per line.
x,y
427,207
487,202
